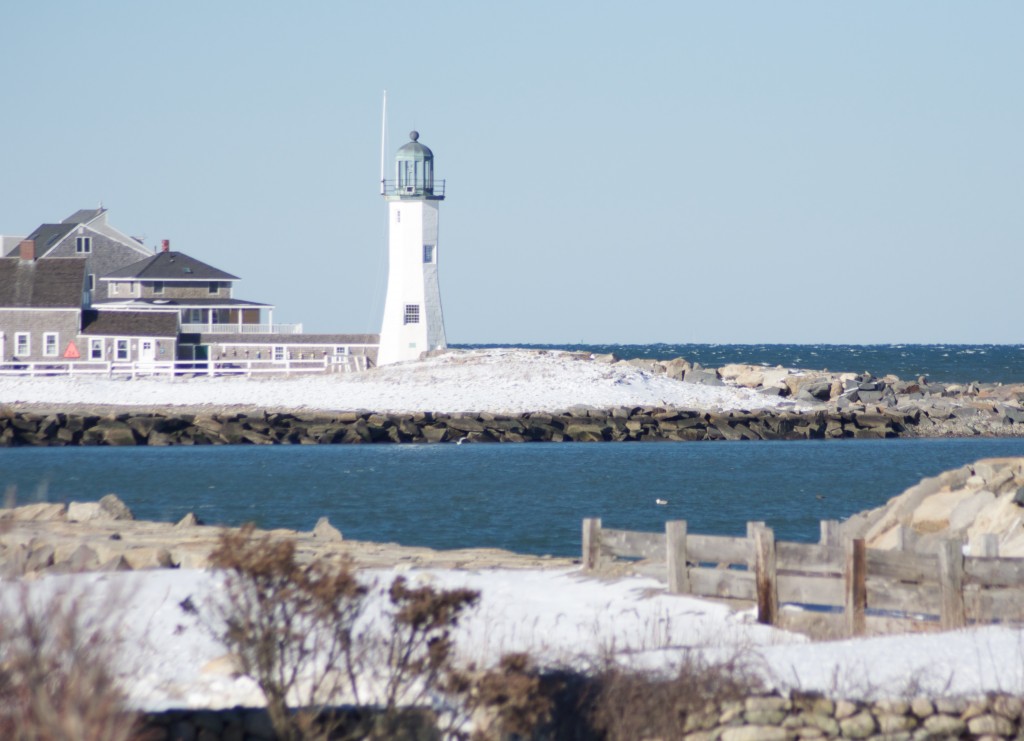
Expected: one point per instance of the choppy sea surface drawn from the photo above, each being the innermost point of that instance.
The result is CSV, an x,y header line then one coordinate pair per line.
x,y
982,363
525,497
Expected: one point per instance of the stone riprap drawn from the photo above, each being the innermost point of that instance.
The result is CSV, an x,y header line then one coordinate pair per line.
x,y
980,504
168,427
53,538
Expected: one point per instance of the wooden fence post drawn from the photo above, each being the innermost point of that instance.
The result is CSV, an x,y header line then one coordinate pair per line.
x,y
765,575
951,584
985,545
675,557
855,577
906,538
752,527
591,542
829,533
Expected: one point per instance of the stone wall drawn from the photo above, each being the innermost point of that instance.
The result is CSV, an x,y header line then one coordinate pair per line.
x,y
760,718
577,424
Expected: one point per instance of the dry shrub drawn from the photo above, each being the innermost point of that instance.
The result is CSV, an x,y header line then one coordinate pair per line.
x,y
624,704
290,627
514,697
56,680
293,629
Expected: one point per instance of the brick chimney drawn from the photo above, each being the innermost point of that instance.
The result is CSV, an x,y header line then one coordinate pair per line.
x,y
27,249
165,245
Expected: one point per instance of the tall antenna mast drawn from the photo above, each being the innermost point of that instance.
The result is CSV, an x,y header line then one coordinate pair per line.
x,y
383,129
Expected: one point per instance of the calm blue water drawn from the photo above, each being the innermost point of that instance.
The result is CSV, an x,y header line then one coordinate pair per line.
x,y
527,498
983,363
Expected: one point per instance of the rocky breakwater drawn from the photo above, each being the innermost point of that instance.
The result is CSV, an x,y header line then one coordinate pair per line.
x,y
806,404
577,424
48,538
980,504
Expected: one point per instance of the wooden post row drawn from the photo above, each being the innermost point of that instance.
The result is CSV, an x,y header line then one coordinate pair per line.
x,y
829,533
855,575
591,542
951,585
675,557
765,575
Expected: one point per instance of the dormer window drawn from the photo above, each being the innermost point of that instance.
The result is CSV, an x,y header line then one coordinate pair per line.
x,y
83,245
158,287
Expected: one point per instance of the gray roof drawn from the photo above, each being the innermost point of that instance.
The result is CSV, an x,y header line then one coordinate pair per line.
x,y
291,339
130,323
177,303
42,284
169,266
47,235
83,216
413,150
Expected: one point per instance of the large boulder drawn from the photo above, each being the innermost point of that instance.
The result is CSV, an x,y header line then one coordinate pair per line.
x,y
962,504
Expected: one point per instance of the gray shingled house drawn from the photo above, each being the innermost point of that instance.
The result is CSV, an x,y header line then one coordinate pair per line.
x,y
213,325
142,307
86,234
45,316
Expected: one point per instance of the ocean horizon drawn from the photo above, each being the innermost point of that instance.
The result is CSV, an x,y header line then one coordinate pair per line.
x,y
945,362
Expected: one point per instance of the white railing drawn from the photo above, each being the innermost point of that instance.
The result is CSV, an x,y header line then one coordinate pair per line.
x,y
233,367
208,328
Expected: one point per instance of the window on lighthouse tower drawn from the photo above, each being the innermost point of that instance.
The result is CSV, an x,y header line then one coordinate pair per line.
x,y
412,314
428,253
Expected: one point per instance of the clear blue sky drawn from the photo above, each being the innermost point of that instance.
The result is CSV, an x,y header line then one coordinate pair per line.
x,y
651,172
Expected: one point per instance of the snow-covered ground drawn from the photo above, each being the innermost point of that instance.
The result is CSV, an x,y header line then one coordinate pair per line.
x,y
563,619
458,381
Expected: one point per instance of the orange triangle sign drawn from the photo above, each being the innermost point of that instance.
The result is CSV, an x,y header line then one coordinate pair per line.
x,y
71,351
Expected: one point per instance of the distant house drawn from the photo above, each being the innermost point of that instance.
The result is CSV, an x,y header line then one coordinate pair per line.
x,y
86,234
45,316
142,307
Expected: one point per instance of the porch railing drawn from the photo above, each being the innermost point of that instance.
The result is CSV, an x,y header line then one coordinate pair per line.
x,y
214,328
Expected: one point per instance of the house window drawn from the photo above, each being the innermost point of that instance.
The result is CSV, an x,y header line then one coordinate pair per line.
x,y
50,344
428,253
278,352
158,286
95,349
412,314
122,350
22,346
90,281
398,217
83,245
214,286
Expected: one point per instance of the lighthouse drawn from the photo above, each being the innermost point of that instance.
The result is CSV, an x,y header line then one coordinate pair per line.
x,y
413,322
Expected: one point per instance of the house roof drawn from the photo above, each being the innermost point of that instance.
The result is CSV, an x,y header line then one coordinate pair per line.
x,y
47,235
181,303
169,266
38,284
290,339
130,323
83,216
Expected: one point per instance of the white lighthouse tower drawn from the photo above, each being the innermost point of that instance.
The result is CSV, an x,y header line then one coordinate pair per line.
x,y
413,322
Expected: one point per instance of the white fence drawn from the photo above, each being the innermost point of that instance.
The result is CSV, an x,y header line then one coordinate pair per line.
x,y
209,328
233,367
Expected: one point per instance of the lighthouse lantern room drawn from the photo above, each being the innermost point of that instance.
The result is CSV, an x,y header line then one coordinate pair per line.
x,y
413,322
